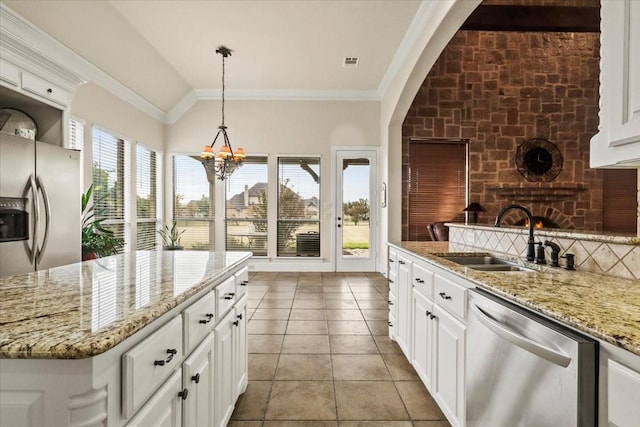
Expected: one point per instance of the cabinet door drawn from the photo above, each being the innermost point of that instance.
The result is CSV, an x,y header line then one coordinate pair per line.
x,y
422,337
623,390
197,377
164,409
240,376
448,378
224,395
404,305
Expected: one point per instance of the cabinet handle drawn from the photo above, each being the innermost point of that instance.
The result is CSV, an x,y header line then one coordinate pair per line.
x,y
244,283
444,296
171,352
419,280
236,323
428,313
390,260
184,394
390,324
390,302
49,91
239,316
432,316
401,262
230,295
208,319
196,378
391,281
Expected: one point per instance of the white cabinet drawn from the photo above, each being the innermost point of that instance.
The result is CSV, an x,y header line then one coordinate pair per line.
x,y
164,408
617,144
423,337
239,360
404,305
224,391
623,393
448,374
198,379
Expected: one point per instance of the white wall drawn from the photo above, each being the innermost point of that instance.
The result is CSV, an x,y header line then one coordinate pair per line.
x,y
282,127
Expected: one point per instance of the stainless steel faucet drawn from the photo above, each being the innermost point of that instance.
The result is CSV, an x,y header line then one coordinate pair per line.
x,y
531,249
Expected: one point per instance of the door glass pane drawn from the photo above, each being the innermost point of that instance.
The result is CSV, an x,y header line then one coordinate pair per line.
x,y
355,207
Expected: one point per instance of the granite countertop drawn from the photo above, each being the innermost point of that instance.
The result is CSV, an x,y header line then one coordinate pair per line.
x,y
84,309
605,307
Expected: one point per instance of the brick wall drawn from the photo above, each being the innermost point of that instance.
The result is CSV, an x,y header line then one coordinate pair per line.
x,y
497,89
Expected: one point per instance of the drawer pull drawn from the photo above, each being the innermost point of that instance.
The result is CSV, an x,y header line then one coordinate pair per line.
x,y
428,313
432,316
49,91
390,260
244,283
444,296
401,262
196,378
391,281
236,323
208,319
390,324
184,394
419,280
230,295
390,302
239,316
171,352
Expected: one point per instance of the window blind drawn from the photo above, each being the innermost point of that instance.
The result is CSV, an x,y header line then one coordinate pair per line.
x,y
109,181
619,205
146,198
76,135
437,184
246,207
193,203
298,206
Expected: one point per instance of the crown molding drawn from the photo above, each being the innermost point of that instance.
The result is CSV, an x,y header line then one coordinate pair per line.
x,y
28,47
290,95
188,101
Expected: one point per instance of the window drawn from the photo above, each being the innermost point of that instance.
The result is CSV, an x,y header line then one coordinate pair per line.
x,y
193,203
246,207
76,134
109,181
298,206
146,198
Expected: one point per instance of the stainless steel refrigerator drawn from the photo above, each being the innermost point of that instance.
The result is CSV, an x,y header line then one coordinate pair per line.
x,y
47,178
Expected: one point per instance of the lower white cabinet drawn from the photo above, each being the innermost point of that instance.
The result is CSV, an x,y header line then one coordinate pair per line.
x,y
423,337
198,379
403,320
623,392
240,362
224,390
448,373
164,409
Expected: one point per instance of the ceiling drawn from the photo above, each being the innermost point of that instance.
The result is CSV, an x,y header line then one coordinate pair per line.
x,y
164,51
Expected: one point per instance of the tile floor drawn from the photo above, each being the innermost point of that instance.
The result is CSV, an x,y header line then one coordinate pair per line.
x,y
320,356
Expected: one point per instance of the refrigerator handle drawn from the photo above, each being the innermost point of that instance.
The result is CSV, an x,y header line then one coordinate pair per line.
x,y
47,213
510,335
31,249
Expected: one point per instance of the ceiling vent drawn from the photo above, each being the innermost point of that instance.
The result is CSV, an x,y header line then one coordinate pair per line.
x,y
351,62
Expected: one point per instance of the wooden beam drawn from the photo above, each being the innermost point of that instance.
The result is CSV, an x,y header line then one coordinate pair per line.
x,y
534,18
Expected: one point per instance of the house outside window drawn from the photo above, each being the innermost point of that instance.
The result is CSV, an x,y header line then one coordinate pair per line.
x,y
247,206
298,207
146,198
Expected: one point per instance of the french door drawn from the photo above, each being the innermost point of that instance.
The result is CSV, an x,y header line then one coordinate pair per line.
x,y
356,210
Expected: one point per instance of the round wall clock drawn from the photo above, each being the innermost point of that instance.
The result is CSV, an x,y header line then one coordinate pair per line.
x,y
538,160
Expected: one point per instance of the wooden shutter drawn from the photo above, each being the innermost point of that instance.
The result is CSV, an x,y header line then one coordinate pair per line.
x,y
619,201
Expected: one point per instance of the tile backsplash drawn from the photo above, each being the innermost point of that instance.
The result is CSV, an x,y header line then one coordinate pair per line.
x,y
612,255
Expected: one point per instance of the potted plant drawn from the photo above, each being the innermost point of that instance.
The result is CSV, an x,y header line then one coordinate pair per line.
x,y
97,241
171,237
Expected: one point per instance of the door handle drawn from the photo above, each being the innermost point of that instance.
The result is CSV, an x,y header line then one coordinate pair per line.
x,y
521,341
31,186
47,225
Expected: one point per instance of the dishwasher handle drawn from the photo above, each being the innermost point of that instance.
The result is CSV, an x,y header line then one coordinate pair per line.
x,y
513,337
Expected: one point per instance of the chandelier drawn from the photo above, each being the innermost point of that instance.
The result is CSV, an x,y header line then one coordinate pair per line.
x,y
222,164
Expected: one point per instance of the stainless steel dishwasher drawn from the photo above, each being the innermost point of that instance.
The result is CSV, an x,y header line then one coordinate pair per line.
x,y
525,370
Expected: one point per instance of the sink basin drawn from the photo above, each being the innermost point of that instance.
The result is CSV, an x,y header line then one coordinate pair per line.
x,y
486,263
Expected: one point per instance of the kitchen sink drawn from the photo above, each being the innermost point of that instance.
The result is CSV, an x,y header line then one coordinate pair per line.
x,y
486,263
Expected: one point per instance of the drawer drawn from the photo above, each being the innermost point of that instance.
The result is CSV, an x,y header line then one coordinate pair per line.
x,y
393,261
225,296
45,89
393,283
423,280
450,296
242,282
393,304
147,365
392,326
9,73
198,320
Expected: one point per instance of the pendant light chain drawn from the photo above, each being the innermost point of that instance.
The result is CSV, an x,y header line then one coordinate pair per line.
x,y
224,56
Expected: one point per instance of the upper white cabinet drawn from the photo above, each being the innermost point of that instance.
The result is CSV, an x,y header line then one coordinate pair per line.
x,y
617,144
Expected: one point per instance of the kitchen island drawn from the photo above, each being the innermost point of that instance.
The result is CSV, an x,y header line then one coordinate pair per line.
x,y
120,340
606,308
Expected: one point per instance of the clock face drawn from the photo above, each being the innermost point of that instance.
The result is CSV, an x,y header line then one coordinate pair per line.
x,y
539,160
